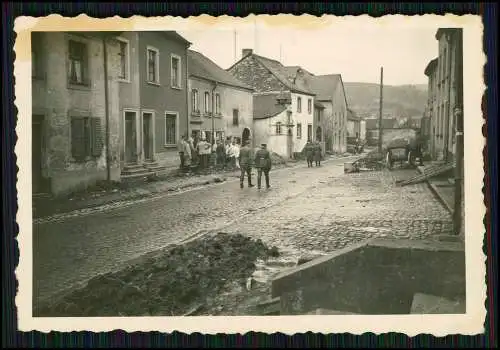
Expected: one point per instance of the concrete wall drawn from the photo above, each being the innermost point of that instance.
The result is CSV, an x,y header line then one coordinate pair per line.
x,y
379,276
57,101
163,97
264,132
304,118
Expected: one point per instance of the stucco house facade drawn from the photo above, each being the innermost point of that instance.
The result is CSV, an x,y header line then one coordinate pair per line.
x,y
221,106
75,110
353,124
153,99
289,117
330,92
442,94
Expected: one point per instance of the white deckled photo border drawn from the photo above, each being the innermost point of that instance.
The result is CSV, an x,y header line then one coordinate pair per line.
x,y
471,323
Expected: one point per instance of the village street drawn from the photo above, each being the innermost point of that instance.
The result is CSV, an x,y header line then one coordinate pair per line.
x,y
307,209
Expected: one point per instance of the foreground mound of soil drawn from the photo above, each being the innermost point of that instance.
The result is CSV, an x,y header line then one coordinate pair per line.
x,y
169,283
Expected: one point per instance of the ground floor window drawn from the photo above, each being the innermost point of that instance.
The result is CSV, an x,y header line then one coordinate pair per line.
x,y
170,128
86,137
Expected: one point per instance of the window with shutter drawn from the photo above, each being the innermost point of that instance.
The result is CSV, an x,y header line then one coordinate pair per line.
x,y
97,137
80,138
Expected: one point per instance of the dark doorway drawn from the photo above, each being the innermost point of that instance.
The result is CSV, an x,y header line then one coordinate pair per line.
x,y
309,132
130,137
36,154
245,136
147,132
318,134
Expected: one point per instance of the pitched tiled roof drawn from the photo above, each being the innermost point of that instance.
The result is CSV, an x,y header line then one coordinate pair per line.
x,y
318,104
202,67
284,74
174,35
324,85
266,106
431,67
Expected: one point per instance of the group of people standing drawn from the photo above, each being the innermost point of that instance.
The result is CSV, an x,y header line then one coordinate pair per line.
x,y
199,153
313,153
227,156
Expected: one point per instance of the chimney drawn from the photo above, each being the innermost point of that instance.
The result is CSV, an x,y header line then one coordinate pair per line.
x,y
246,52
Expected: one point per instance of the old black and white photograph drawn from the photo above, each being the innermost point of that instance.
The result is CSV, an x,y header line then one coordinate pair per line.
x,y
261,166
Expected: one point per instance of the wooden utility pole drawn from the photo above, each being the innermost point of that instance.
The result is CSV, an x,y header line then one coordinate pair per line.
x,y
459,135
235,46
380,111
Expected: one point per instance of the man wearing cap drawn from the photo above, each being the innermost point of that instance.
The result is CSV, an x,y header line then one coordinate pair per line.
x,y
245,162
263,164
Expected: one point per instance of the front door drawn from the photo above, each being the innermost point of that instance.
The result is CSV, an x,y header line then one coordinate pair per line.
x,y
36,154
130,137
290,143
146,137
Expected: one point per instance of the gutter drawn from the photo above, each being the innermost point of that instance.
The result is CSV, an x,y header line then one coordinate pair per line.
x,y
188,117
106,108
213,112
448,103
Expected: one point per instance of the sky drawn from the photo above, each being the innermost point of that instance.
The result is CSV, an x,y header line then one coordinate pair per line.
x,y
356,49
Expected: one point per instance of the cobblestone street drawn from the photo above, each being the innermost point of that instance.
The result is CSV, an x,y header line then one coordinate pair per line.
x,y
318,209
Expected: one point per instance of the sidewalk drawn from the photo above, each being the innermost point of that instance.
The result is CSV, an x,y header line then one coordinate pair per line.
x,y
97,196
442,186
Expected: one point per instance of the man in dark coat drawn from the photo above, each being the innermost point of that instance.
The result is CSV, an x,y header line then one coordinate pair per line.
x,y
245,161
263,165
309,154
317,154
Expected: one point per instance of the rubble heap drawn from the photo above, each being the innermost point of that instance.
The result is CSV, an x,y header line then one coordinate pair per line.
x,y
169,283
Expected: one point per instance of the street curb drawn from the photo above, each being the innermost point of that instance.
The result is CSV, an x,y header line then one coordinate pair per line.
x,y
436,193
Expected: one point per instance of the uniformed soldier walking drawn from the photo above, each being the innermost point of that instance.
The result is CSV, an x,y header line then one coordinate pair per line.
x,y
317,154
245,161
309,154
263,165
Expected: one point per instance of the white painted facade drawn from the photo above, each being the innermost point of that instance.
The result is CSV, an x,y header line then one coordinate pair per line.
x,y
304,118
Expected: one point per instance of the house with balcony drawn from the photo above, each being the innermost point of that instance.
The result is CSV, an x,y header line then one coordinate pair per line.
x,y
75,110
283,104
221,106
153,91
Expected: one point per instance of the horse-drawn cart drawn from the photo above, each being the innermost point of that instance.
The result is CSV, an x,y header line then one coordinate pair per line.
x,y
401,151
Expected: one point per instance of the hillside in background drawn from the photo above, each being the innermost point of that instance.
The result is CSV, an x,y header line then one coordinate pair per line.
x,y
399,101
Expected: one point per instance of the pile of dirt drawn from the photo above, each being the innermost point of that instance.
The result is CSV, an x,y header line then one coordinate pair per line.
x,y
169,283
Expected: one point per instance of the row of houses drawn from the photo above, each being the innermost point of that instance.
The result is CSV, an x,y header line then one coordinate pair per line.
x,y
112,105
444,85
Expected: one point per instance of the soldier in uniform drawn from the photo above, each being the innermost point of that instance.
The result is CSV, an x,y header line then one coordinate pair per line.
x,y
317,153
309,154
245,162
263,165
